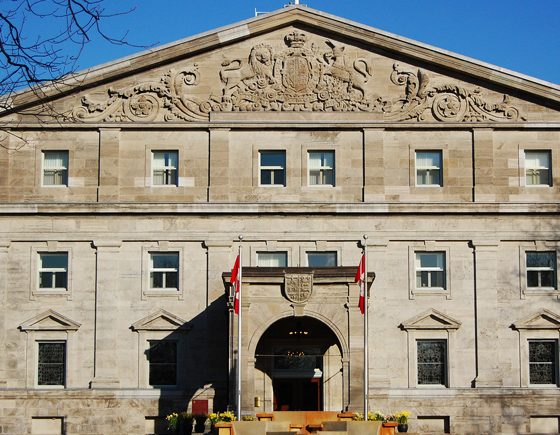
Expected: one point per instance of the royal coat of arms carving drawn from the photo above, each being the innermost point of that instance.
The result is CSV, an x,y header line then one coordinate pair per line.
x,y
298,287
302,76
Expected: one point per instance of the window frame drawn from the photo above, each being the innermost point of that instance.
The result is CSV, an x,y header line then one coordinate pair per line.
x,y
38,342
417,168
555,362
420,269
429,247
540,269
261,252
165,168
322,251
176,363
165,270
66,170
40,270
164,247
445,363
262,167
548,169
537,246
321,168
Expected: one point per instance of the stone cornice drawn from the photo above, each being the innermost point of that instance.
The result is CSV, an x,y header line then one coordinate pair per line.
x,y
318,208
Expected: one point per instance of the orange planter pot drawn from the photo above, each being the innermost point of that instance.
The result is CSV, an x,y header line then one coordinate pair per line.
x,y
388,428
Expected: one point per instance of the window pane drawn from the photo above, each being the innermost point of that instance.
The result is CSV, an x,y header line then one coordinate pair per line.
x,y
51,364
164,165
266,176
279,176
53,261
46,280
273,158
60,279
165,261
272,259
156,279
541,259
537,167
55,168
542,362
171,279
162,356
432,362
321,259
430,260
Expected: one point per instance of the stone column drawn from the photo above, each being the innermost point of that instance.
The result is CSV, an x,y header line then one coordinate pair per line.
x,y
106,314
374,184
218,184
486,285
220,258
4,246
108,182
483,157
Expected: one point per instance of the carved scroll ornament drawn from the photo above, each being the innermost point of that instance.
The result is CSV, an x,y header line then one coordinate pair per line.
x,y
297,78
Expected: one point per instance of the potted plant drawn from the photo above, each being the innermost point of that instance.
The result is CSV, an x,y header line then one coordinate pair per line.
x,y
402,419
180,423
221,417
200,422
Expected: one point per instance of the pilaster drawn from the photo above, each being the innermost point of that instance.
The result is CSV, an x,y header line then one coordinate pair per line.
x,y
483,158
108,182
487,314
4,247
106,314
218,184
374,183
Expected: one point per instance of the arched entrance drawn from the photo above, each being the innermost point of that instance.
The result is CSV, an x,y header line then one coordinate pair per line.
x,y
298,366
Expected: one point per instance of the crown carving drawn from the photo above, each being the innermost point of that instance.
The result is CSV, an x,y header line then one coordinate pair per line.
x,y
296,39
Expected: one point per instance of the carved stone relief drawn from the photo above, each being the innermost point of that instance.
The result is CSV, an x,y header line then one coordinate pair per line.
x,y
299,77
298,287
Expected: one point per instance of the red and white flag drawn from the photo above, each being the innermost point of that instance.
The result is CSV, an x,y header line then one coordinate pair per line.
x,y
361,278
236,284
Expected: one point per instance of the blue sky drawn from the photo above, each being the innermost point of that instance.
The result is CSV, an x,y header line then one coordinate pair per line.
x,y
521,35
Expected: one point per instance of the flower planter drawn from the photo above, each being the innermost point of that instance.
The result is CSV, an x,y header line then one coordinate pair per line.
x,y
402,427
223,428
388,428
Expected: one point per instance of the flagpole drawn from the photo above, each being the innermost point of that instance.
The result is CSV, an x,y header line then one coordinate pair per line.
x,y
239,363
366,352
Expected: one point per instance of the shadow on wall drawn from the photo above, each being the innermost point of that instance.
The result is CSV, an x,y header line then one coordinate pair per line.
x,y
190,365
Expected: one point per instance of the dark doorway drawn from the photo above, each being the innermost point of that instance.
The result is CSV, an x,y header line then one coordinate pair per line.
x,y
294,353
297,394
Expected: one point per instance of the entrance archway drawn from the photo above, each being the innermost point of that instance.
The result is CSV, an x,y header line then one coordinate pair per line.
x,y
298,366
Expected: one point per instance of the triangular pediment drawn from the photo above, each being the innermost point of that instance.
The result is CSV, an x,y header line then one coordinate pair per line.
x,y
49,321
299,60
431,319
161,320
542,319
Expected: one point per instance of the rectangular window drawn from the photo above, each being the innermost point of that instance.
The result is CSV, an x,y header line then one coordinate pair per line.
x,y
53,270
543,362
272,259
538,168
322,259
51,363
321,168
430,270
162,356
272,168
164,270
432,362
55,168
164,167
541,269
428,168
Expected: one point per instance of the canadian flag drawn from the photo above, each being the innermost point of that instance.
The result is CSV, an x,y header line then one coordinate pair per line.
x,y
236,284
361,278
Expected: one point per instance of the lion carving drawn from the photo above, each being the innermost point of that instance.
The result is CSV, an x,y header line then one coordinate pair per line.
x,y
259,65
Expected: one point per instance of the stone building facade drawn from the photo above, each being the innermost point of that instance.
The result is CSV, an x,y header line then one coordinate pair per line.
x,y
122,197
